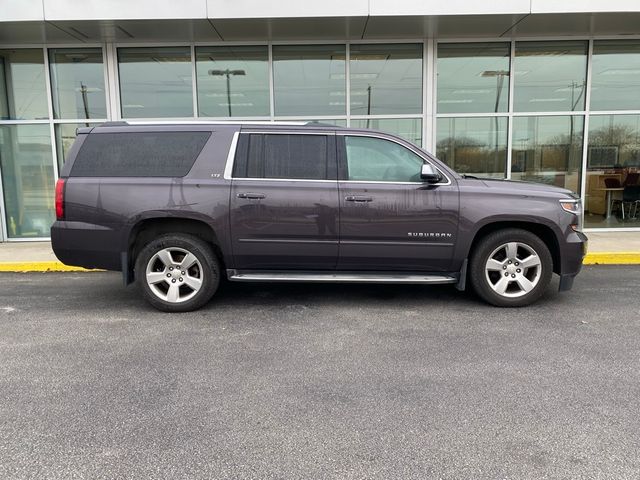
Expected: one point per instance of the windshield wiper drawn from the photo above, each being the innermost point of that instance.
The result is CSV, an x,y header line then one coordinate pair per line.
x,y
464,175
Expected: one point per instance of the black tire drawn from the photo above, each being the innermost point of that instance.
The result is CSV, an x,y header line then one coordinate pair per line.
x,y
206,269
487,283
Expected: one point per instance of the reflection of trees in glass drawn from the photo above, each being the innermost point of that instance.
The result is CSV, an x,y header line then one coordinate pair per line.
x,y
620,135
624,139
469,155
562,152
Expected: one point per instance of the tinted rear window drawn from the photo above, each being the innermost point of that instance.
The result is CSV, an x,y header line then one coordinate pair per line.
x,y
283,156
139,154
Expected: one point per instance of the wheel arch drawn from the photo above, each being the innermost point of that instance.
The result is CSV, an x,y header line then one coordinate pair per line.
x,y
542,231
146,229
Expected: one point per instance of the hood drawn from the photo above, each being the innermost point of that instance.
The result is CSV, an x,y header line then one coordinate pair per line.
x,y
519,187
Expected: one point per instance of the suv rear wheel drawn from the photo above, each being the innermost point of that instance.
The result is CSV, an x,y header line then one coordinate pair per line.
x,y
511,268
177,272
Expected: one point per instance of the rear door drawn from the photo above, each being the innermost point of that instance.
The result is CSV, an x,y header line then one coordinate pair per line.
x,y
389,218
284,201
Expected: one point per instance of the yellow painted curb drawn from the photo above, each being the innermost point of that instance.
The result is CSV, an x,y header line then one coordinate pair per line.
x,y
592,258
612,258
40,267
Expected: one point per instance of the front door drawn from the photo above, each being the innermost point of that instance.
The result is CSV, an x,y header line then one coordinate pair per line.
x,y
389,218
284,202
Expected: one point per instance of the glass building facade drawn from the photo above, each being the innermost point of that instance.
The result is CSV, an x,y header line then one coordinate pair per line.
x,y
563,112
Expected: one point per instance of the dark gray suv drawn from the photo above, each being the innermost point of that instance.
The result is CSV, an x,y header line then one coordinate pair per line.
x,y
175,207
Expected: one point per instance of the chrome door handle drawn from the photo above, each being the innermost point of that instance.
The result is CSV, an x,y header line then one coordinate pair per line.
x,y
253,196
358,198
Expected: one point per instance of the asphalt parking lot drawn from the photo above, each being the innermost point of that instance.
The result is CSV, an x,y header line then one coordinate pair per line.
x,y
319,381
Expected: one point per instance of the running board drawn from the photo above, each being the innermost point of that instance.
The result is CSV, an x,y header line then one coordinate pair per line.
x,y
338,277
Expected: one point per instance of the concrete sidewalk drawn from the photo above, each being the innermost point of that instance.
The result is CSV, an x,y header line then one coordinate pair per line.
x,y
604,248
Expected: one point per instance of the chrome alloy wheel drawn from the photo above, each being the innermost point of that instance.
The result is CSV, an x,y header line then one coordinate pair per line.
x,y
174,275
513,269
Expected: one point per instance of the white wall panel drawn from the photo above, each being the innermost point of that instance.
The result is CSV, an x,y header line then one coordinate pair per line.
x,y
448,7
20,10
573,6
286,8
123,9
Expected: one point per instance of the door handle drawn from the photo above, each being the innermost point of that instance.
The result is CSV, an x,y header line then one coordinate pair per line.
x,y
358,198
253,196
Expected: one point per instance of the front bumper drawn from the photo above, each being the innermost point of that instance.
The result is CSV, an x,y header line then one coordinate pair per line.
x,y
572,255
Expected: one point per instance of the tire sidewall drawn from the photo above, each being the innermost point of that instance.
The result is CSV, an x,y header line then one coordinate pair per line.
x,y
204,254
481,254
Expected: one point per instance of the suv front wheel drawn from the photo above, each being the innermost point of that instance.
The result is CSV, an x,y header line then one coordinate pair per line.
x,y
177,272
511,268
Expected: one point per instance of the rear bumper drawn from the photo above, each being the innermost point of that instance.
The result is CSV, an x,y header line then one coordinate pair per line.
x,y
573,254
86,245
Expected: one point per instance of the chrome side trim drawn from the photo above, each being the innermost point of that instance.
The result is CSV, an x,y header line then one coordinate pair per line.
x,y
285,240
337,277
234,145
408,243
228,168
389,183
284,180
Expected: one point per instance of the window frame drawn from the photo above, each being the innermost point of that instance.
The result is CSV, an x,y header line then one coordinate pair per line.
x,y
343,174
234,151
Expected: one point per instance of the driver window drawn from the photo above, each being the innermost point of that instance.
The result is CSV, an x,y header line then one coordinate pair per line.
x,y
380,160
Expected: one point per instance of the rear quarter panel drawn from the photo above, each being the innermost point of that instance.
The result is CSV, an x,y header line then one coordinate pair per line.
x,y
108,208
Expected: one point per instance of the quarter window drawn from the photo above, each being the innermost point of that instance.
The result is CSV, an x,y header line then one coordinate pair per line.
x,y
283,156
139,154
379,160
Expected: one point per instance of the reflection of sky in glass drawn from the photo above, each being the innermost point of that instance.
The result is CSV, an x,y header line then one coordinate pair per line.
x,y
248,93
615,77
473,78
23,94
27,179
72,72
407,128
529,132
386,79
309,80
155,82
549,76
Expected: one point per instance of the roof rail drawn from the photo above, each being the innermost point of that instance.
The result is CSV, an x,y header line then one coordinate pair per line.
x,y
114,124
316,123
213,122
313,123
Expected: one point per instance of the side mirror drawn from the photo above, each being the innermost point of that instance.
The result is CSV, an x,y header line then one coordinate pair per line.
x,y
429,174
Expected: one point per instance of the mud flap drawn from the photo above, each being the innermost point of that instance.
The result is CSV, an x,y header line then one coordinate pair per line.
x,y
566,282
127,272
462,276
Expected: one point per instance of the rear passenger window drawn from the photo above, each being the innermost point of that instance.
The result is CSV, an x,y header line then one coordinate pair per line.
x,y
284,156
138,154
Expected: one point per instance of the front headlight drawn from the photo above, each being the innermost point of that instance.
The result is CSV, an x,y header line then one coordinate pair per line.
x,y
573,206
